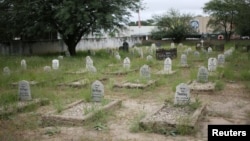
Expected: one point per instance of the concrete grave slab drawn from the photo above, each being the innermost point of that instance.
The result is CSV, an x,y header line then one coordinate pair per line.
x,y
135,85
197,86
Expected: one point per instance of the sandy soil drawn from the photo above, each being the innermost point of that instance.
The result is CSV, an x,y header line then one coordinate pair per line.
x,y
229,106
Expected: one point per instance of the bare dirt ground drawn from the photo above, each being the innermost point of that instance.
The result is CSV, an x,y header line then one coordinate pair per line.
x,y
229,106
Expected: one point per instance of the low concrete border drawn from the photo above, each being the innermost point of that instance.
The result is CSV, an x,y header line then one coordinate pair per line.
x,y
131,85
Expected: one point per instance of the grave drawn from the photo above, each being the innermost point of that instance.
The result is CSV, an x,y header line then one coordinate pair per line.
x,y
79,112
31,83
221,60
6,71
171,116
55,64
167,67
126,63
149,58
97,91
202,83
184,63
23,64
81,71
76,83
47,68
212,65
24,91
162,54
143,82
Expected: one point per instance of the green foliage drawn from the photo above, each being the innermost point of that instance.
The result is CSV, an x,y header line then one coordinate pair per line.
x,y
173,25
135,123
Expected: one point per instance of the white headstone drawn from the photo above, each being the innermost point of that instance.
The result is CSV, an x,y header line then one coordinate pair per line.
x,y
141,52
97,91
172,45
182,94
23,64
202,75
180,45
184,60
149,58
145,72
212,64
167,65
221,59
126,63
153,45
47,68
60,57
118,57
6,71
24,90
55,64
92,69
209,50
89,62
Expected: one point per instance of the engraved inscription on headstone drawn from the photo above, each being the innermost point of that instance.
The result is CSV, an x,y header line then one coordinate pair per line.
x,y
24,90
202,74
145,72
97,90
182,94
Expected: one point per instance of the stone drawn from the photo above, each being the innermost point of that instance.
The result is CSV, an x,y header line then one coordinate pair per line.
x,y
92,69
118,57
23,64
97,91
6,71
167,65
209,50
182,94
60,57
145,72
89,63
197,54
126,63
149,58
24,91
172,45
184,60
47,68
55,64
221,59
212,64
202,75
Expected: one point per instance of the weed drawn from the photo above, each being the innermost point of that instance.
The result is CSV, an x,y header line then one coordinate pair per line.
x,y
134,125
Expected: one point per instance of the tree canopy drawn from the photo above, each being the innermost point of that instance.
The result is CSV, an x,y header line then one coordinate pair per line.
x,y
173,25
72,19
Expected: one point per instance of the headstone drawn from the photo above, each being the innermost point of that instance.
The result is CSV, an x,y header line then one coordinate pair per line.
x,y
167,65
140,52
197,54
92,69
182,94
163,53
149,58
202,75
55,64
212,64
23,64
189,50
126,63
209,50
60,57
180,45
6,71
67,54
97,90
89,62
145,72
153,45
24,90
47,68
184,60
221,59
172,45
198,46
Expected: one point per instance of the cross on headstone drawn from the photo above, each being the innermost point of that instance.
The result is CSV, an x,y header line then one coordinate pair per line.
x,y
145,72
24,90
182,94
97,91
202,75
167,65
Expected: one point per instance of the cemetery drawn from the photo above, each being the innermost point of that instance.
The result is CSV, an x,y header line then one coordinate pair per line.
x,y
143,93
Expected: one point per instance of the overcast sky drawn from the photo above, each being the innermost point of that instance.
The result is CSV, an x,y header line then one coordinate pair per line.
x,y
158,7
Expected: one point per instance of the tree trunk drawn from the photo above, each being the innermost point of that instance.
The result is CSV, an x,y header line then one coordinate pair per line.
x,y
71,43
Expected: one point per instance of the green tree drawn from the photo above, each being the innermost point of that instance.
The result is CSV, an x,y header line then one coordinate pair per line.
x,y
223,16
174,25
72,19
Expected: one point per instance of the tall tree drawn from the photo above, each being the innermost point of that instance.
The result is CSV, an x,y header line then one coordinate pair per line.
x,y
223,15
174,25
72,19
